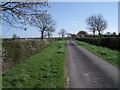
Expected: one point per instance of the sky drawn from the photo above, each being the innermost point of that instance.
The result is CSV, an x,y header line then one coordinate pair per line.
x,y
72,16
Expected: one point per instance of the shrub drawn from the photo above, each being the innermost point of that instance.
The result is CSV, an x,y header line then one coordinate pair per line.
x,y
14,37
110,42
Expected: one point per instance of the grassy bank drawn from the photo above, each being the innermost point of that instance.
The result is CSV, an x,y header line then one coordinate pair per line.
x,y
43,70
105,53
12,50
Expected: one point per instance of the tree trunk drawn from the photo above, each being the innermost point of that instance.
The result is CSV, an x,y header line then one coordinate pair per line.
x,y
62,35
94,34
42,36
42,32
48,35
99,33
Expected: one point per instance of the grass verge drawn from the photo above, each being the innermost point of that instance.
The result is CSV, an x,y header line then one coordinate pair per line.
x,y
109,55
43,70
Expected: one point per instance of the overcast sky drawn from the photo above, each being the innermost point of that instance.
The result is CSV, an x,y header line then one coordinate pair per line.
x,y
72,16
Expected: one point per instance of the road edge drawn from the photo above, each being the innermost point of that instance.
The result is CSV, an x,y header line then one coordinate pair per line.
x,y
66,74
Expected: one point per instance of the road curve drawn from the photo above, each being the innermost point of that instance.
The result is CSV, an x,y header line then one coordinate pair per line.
x,y
87,70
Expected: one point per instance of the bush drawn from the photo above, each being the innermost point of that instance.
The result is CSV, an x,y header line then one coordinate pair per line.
x,y
110,42
14,37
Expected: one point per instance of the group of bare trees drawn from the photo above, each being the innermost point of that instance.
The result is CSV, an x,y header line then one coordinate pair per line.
x,y
45,23
20,14
94,23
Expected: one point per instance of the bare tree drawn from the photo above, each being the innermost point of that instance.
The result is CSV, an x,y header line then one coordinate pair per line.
x,y
43,22
49,31
20,13
96,23
62,32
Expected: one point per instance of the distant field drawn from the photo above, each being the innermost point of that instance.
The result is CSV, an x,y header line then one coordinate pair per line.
x,y
43,70
105,53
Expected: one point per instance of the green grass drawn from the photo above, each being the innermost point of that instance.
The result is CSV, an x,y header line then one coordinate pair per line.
x,y
44,70
107,54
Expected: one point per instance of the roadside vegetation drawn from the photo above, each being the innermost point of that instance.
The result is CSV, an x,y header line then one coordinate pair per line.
x,y
109,42
12,50
43,70
109,55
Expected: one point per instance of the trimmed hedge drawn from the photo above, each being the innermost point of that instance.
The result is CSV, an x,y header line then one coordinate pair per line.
x,y
109,42
15,51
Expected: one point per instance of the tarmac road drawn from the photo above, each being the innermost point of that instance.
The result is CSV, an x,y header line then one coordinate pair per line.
x,y
86,70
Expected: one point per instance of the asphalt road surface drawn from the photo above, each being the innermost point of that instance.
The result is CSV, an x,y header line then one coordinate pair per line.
x,y
86,70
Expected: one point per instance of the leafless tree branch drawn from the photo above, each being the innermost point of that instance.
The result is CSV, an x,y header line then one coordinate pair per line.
x,y
20,13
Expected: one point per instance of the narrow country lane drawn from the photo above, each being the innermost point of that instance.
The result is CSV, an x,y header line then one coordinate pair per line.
x,y
87,70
